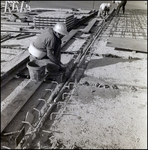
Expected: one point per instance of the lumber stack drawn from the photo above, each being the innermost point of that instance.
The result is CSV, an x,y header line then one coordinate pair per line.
x,y
49,19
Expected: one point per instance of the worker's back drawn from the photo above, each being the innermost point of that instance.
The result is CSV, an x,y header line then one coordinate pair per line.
x,y
103,5
47,39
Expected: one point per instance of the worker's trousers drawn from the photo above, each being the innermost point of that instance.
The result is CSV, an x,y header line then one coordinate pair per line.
x,y
51,66
122,4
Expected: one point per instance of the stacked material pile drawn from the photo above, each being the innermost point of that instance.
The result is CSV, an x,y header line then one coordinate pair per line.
x,y
49,19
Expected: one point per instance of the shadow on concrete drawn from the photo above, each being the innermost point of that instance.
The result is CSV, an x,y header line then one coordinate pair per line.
x,y
106,61
129,50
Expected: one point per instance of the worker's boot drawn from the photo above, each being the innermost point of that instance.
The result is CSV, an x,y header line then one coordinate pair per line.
x,y
58,76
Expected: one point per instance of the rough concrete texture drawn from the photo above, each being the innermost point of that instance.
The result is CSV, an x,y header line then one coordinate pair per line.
x,y
120,70
108,109
104,118
74,47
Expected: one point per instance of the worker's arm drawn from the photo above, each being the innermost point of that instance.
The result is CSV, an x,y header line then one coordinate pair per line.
x,y
51,54
50,44
52,57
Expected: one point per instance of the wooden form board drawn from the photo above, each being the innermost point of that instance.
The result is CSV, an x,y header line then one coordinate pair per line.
x,y
9,112
139,45
14,63
23,31
89,26
65,39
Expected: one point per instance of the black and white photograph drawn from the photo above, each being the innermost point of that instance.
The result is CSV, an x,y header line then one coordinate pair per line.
x,y
74,74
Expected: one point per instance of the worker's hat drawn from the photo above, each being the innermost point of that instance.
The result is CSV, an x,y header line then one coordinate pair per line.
x,y
60,28
108,4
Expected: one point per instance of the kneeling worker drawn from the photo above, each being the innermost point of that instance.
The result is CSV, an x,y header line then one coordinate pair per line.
x,y
46,48
104,9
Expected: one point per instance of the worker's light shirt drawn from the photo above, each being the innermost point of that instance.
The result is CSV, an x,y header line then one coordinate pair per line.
x,y
103,5
48,42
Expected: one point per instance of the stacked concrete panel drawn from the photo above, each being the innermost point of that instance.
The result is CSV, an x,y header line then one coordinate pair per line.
x,y
49,19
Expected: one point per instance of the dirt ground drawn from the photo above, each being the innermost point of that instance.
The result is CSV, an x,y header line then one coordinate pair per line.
x,y
109,107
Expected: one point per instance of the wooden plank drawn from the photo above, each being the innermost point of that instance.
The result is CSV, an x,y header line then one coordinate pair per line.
x,y
25,36
18,26
24,31
10,51
65,39
5,35
139,45
89,26
14,23
5,39
10,45
9,112
15,63
9,77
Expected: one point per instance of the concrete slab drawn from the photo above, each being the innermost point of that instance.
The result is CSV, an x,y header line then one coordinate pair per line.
x,y
128,44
